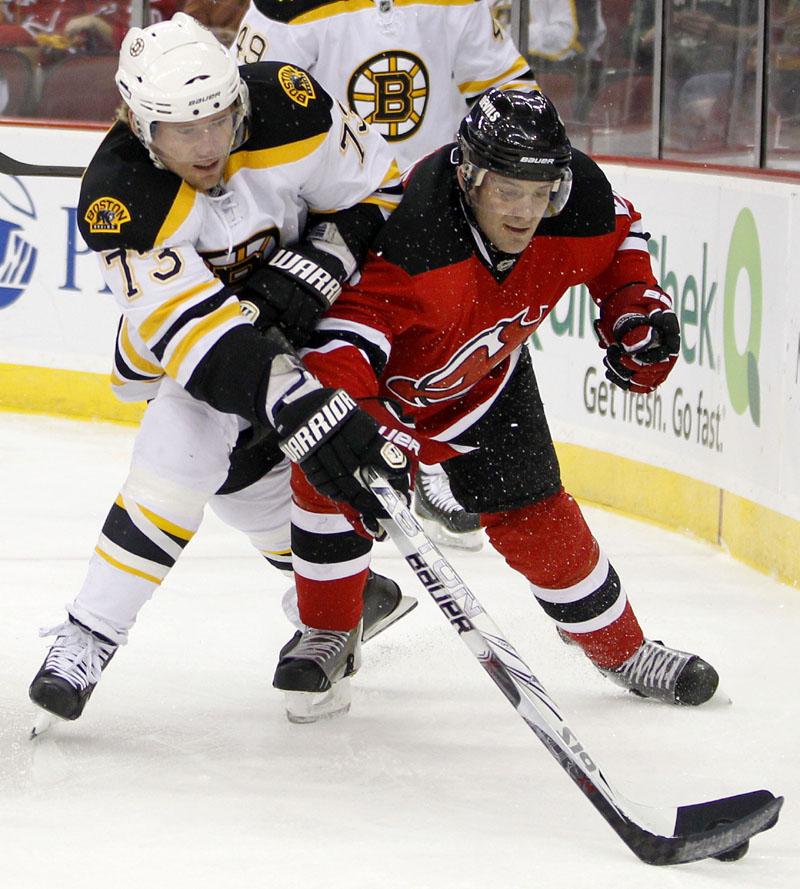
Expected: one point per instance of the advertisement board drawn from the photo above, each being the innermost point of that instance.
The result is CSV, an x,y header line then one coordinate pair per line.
x,y
728,413
53,309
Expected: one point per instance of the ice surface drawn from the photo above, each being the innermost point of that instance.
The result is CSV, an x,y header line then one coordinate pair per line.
x,y
183,771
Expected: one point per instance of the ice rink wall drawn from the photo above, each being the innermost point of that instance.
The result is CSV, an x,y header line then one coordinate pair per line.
x,y
715,451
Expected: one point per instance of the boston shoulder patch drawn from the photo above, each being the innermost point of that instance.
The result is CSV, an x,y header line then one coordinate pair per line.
x,y
106,215
297,85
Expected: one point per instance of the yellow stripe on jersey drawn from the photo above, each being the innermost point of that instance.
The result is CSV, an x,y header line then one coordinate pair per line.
x,y
133,358
345,6
210,322
387,201
154,321
480,85
161,523
273,157
127,568
392,174
178,213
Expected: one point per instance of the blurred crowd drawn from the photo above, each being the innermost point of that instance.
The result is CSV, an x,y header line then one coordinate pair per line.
x,y
595,58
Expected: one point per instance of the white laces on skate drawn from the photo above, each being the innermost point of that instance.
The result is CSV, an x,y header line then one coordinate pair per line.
x,y
320,646
77,655
437,490
654,666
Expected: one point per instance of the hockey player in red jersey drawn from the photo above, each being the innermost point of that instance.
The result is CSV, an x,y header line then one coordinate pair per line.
x,y
490,233
410,70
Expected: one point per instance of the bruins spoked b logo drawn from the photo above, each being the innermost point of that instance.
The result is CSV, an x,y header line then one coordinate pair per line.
x,y
390,92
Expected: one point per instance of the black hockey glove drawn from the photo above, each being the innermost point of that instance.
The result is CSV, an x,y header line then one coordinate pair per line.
x,y
641,336
331,438
292,290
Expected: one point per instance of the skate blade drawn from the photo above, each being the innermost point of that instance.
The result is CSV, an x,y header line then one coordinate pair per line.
x,y
406,604
303,707
720,698
471,541
43,722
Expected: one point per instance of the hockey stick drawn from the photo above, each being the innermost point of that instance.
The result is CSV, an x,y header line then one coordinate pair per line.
x,y
668,835
11,167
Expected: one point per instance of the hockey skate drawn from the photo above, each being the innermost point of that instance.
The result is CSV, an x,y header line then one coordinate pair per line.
x,y
445,521
384,604
314,671
666,674
71,670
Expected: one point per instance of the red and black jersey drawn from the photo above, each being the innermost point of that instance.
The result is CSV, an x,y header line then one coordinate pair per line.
x,y
438,319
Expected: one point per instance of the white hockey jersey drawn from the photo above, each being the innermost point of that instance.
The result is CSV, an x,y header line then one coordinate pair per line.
x,y
407,67
173,256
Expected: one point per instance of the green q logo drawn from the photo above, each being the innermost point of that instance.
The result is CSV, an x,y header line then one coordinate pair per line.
x,y
741,368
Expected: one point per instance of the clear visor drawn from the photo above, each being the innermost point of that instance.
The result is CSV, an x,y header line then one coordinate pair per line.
x,y
202,141
505,195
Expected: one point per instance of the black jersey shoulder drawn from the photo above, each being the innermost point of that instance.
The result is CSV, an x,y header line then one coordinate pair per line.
x,y
281,11
124,197
287,12
287,105
589,212
428,230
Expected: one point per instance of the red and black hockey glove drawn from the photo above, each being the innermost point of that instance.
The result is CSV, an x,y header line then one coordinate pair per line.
x,y
641,336
292,290
331,439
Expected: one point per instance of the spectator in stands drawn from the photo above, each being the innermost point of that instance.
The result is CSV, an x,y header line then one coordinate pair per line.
x,y
708,59
221,16
46,30
785,58
564,36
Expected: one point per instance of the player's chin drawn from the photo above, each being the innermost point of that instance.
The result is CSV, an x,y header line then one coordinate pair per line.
x,y
207,174
516,238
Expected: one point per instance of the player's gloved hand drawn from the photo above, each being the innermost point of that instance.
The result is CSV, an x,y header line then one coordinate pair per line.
x,y
641,336
331,438
292,290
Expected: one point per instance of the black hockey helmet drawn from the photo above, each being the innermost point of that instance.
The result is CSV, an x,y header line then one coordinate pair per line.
x,y
518,134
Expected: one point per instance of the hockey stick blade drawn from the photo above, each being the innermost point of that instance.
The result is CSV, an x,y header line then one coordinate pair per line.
x,y
11,167
659,836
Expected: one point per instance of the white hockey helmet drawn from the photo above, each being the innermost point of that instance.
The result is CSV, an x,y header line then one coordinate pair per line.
x,y
177,71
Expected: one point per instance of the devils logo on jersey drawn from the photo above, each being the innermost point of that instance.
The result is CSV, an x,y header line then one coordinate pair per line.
x,y
390,92
470,364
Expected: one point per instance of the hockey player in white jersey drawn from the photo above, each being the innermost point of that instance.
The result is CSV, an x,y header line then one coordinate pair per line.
x,y
410,70
219,187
